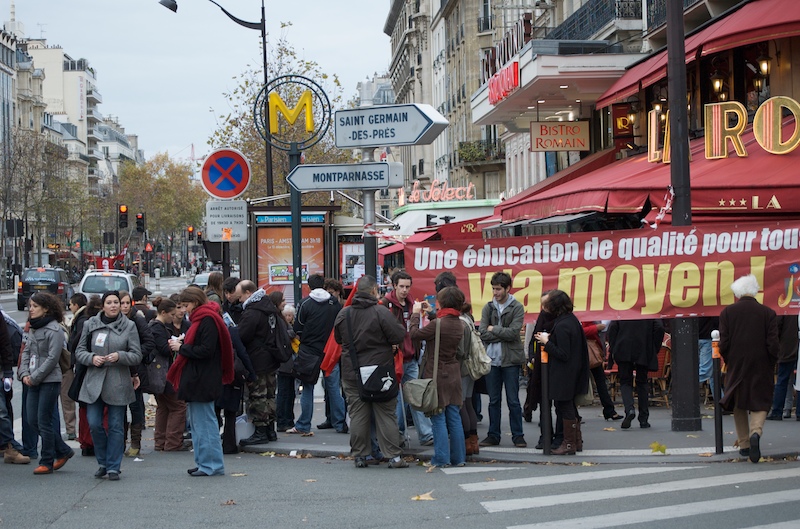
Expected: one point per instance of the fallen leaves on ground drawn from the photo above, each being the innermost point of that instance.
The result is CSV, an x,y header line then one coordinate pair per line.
x,y
424,497
587,464
310,480
491,479
610,429
229,502
655,446
705,454
238,474
266,454
692,436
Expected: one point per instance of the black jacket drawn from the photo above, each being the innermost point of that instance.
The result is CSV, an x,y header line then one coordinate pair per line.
x,y
314,321
569,358
233,309
201,380
147,343
161,350
636,341
254,330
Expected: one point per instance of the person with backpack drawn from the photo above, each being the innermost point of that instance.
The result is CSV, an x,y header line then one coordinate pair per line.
x,y
313,324
40,371
256,329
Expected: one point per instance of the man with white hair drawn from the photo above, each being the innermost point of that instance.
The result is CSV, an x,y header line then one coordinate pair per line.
x,y
749,345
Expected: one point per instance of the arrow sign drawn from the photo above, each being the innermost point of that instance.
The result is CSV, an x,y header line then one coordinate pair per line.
x,y
383,126
369,175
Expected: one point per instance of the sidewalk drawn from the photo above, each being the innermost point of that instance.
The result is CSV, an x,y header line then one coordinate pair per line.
x,y
604,441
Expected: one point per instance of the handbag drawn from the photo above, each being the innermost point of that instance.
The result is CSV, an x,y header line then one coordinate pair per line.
x,y
75,388
156,379
376,383
596,356
422,394
477,362
586,398
306,366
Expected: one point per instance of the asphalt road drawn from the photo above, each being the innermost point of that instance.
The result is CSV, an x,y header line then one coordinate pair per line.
x,y
261,490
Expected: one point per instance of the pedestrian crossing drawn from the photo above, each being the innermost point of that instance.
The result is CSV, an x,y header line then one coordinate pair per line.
x,y
670,494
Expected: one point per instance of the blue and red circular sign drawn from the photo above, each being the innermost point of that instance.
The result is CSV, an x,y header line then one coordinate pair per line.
x,y
225,173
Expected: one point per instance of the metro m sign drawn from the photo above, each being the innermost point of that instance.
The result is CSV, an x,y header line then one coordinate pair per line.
x,y
276,105
503,83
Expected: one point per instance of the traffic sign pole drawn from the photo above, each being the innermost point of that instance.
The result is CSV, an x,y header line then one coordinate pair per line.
x,y
370,241
297,240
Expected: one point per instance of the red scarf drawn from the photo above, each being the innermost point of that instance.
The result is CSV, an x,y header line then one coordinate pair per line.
x,y
333,350
207,310
441,313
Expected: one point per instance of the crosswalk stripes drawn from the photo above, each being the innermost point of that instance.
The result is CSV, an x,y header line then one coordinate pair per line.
x,y
539,499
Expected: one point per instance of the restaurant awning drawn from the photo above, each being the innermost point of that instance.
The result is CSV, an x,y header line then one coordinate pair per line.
x,y
392,248
719,188
749,23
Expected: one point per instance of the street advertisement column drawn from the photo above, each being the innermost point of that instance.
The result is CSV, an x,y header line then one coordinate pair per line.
x,y
275,270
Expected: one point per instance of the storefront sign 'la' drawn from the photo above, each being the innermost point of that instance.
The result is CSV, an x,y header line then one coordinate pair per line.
x,y
767,129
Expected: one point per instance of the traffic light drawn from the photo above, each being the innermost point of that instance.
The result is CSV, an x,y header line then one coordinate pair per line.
x,y
199,237
140,222
190,229
123,216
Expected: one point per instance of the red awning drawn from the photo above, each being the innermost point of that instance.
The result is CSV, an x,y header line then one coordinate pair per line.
x,y
422,236
756,21
465,229
726,187
586,165
392,248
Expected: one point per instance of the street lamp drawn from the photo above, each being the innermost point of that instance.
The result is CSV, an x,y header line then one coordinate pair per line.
x,y
172,5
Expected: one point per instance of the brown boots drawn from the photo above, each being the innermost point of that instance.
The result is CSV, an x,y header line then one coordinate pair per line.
x,y
570,443
472,444
13,456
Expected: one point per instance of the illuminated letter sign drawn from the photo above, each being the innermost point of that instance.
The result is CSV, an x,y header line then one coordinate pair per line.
x,y
503,83
276,105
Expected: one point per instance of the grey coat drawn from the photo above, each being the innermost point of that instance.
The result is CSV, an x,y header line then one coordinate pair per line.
x,y
111,382
44,348
506,330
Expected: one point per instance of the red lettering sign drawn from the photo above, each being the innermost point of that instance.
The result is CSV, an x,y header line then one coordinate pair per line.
x,y
503,83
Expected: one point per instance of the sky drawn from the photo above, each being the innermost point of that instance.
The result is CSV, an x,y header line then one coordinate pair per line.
x,y
163,74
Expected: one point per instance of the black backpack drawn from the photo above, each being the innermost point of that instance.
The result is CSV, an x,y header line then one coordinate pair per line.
x,y
280,341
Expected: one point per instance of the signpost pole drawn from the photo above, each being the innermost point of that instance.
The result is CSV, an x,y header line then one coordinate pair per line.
x,y
370,241
226,258
297,242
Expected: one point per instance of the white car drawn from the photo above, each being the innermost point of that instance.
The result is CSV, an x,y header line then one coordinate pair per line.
x,y
100,281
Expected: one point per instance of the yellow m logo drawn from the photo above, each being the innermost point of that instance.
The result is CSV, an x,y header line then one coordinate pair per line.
x,y
277,105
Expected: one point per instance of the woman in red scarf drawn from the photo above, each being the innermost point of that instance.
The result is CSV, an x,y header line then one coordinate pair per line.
x,y
203,365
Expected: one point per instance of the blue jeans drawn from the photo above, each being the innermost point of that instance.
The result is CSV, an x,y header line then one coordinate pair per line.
x,y
334,391
205,437
421,423
30,437
785,371
498,378
448,437
42,400
108,445
706,363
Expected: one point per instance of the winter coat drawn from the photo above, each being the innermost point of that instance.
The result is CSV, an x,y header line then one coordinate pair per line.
x,y
112,381
254,330
506,330
375,329
636,341
146,343
201,378
313,322
410,347
6,358
75,330
42,353
448,376
787,335
162,353
544,323
748,342
568,358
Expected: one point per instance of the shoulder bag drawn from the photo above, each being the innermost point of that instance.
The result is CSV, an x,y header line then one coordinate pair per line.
x,y
376,383
421,394
477,361
596,356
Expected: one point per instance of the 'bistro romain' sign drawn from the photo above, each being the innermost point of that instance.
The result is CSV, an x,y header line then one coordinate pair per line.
x,y
559,136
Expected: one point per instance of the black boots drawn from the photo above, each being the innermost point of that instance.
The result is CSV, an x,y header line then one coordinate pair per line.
x,y
259,437
271,435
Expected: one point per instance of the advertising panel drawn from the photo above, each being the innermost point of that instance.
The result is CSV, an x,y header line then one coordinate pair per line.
x,y
626,274
275,270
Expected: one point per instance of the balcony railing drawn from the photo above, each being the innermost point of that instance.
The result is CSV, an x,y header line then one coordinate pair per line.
x,y
592,16
485,24
657,12
481,151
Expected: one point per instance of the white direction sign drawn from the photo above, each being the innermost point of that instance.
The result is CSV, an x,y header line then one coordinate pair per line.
x,y
226,221
367,175
384,126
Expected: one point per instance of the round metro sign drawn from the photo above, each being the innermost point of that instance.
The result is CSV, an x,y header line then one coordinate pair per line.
x,y
225,173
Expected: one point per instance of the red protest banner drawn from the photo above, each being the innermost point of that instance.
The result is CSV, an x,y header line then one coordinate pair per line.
x,y
626,274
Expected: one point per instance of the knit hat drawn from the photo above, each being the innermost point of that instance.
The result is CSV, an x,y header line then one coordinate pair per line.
x,y
110,293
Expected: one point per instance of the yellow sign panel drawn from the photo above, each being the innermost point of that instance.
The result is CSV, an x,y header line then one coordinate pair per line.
x,y
276,105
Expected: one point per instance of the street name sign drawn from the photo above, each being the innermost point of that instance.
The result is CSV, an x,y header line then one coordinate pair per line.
x,y
226,221
389,125
334,177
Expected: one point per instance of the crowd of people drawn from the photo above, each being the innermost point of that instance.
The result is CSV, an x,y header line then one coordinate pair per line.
x,y
203,353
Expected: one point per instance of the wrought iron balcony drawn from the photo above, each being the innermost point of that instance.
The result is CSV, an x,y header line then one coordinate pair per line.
x,y
485,24
657,12
592,16
483,155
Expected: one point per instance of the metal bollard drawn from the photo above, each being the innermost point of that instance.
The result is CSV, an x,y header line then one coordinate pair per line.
x,y
547,427
716,358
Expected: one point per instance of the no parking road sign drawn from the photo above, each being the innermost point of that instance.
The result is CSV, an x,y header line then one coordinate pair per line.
x,y
225,174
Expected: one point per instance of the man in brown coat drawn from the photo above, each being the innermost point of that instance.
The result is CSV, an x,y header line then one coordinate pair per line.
x,y
749,345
